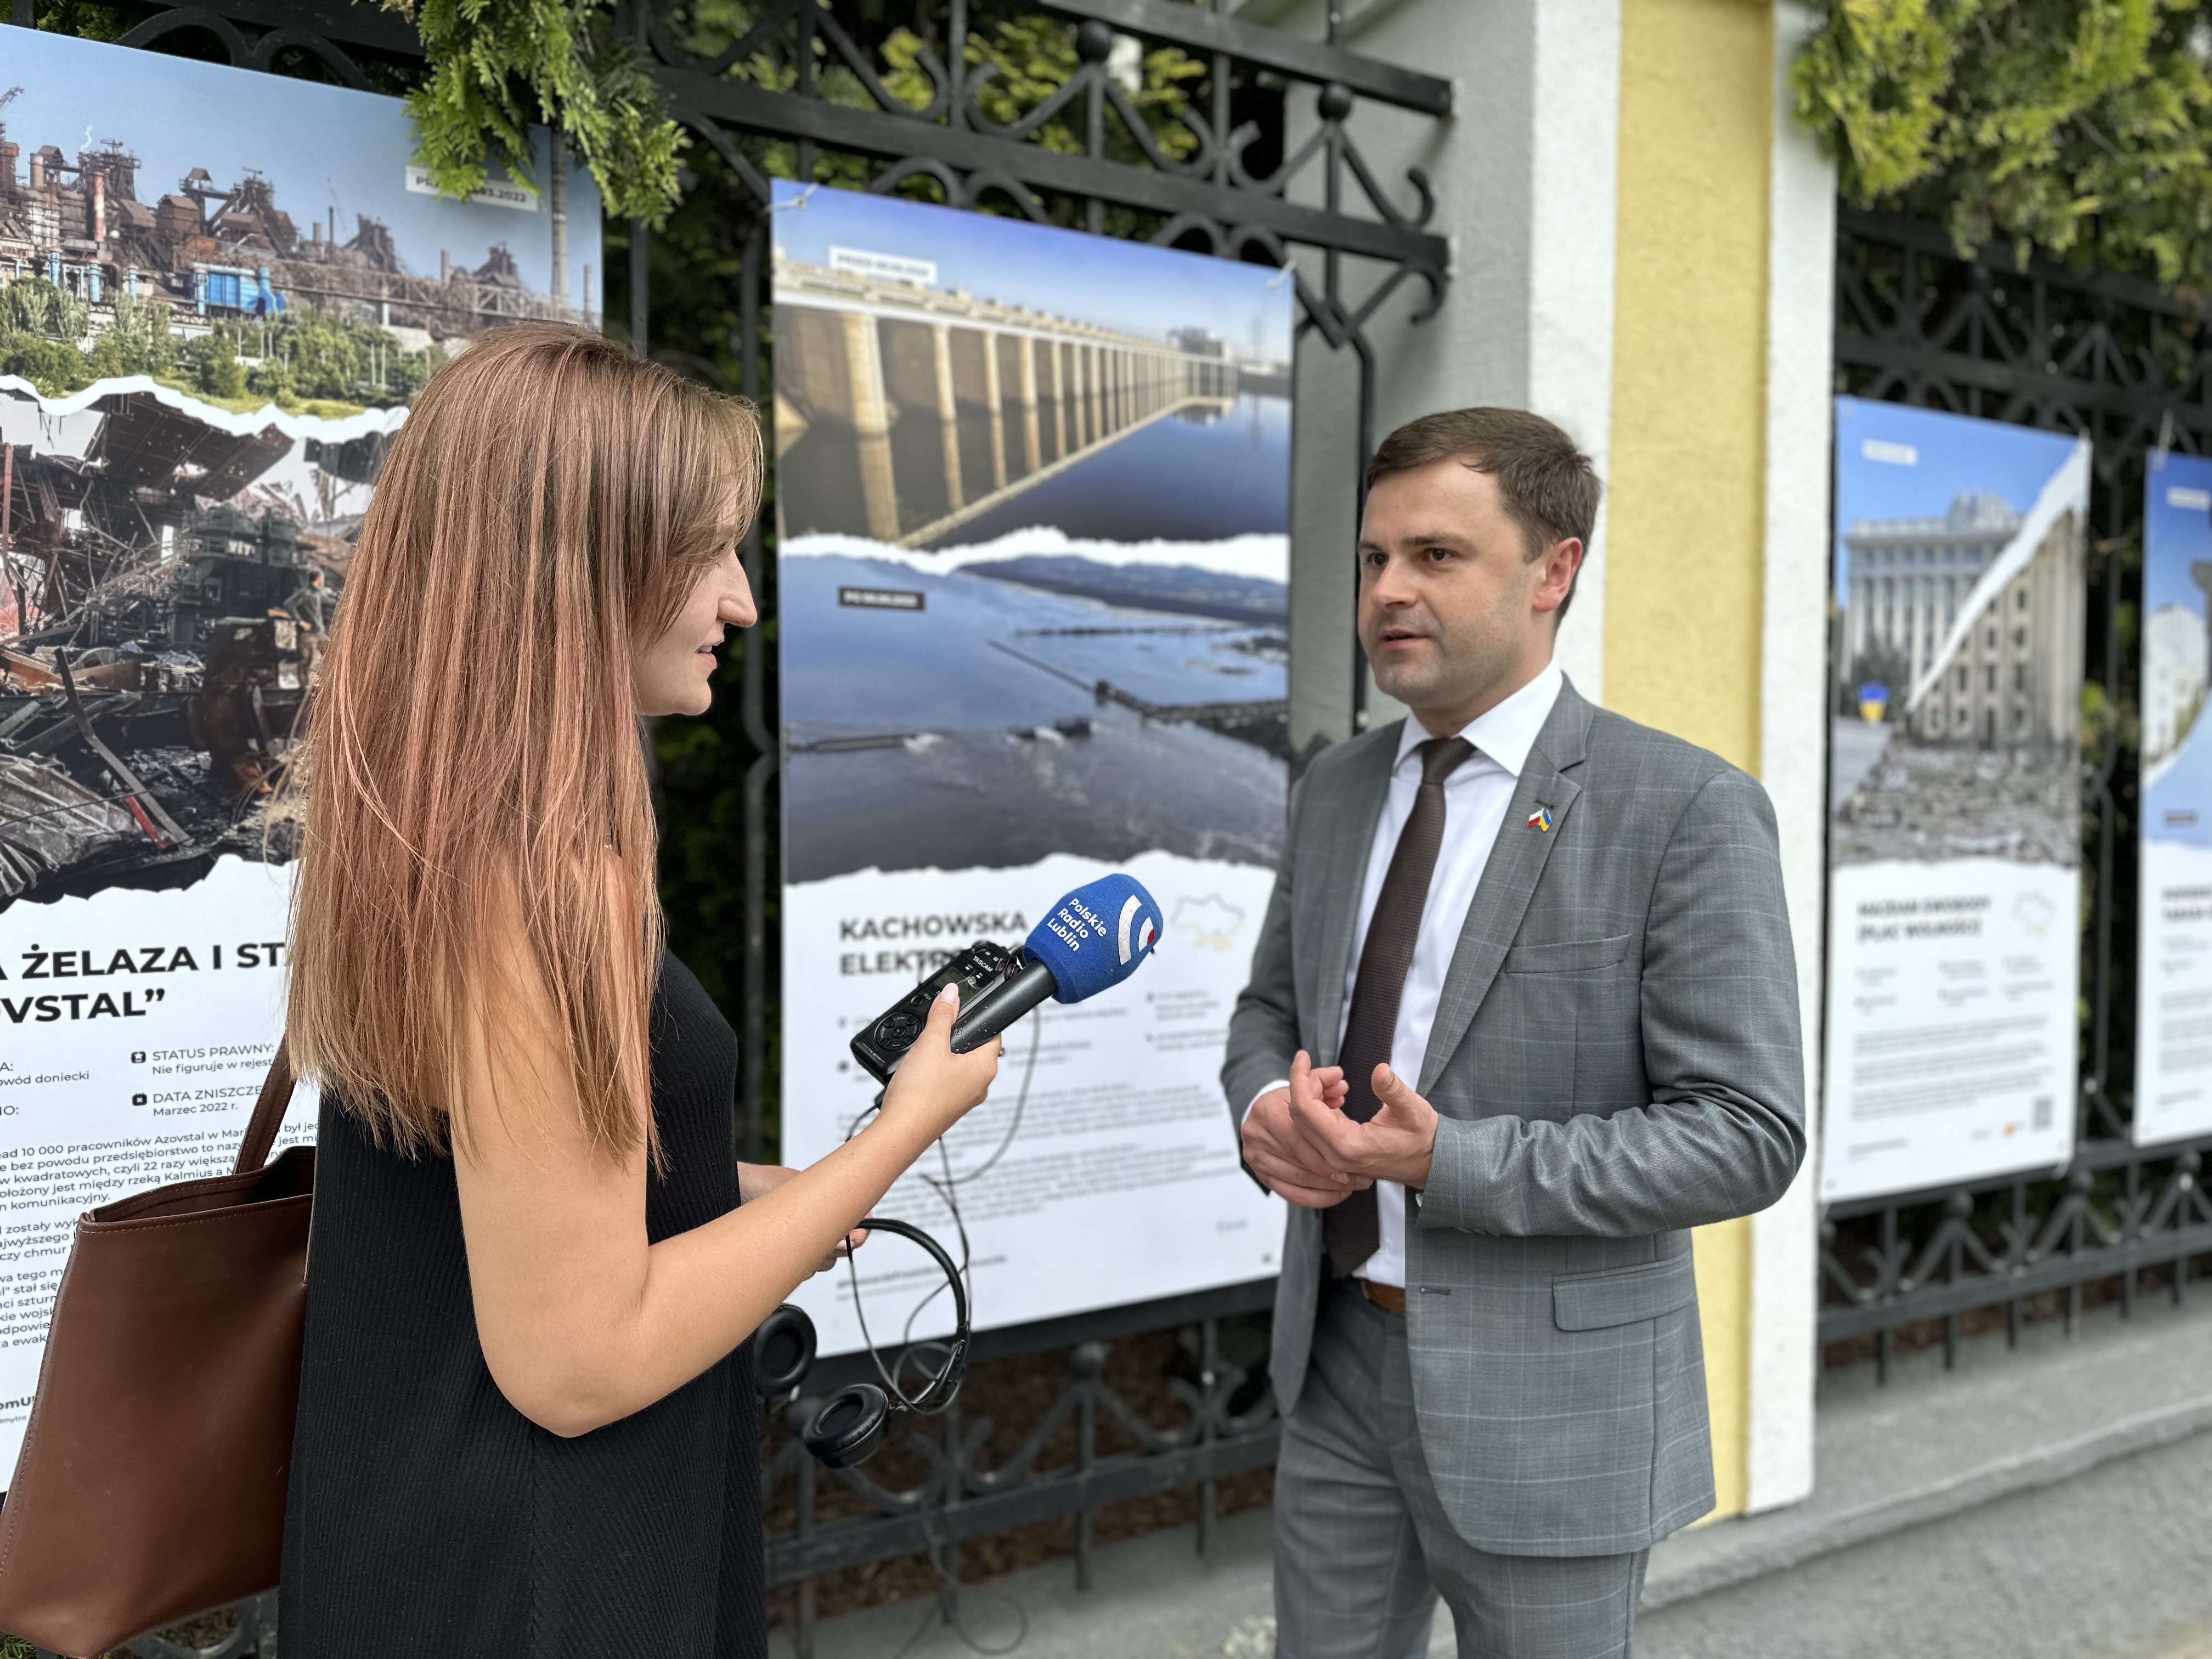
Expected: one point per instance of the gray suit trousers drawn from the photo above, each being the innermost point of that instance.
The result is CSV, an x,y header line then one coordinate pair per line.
x,y
1363,1545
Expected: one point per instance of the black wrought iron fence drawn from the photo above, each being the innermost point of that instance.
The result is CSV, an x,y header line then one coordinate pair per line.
x,y
1237,189
798,88
2130,366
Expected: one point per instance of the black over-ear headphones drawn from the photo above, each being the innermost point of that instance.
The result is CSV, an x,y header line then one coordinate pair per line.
x,y
852,1422
783,1351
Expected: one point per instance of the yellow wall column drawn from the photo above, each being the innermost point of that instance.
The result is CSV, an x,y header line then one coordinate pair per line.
x,y
1686,540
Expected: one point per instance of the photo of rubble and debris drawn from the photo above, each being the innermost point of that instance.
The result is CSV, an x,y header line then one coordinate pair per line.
x,y
1957,644
208,331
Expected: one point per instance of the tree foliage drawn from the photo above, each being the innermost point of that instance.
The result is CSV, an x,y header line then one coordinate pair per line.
x,y
1032,57
498,65
31,305
306,355
2077,126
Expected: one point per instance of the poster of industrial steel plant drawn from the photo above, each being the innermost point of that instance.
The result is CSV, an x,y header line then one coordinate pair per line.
x,y
218,291
1955,797
1033,610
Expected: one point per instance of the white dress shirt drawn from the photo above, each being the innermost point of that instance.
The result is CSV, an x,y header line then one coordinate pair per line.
x,y
1476,795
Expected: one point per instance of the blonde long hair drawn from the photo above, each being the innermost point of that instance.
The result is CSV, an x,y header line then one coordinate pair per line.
x,y
549,502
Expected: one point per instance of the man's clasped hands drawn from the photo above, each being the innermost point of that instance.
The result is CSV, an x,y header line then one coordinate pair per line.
x,y
1299,1140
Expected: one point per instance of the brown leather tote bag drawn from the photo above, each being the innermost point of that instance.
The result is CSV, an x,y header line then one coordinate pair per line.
x,y
151,1483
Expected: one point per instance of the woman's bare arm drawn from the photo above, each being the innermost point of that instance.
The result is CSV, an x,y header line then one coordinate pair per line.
x,y
583,1322
757,1181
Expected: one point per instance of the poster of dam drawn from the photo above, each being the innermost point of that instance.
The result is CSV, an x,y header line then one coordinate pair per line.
x,y
218,292
1034,492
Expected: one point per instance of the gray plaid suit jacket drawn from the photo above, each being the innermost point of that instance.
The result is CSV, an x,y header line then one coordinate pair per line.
x,y
1615,1060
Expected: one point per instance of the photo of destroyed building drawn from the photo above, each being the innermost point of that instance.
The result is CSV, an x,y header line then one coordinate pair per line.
x,y
161,606
1978,652
1959,640
1034,494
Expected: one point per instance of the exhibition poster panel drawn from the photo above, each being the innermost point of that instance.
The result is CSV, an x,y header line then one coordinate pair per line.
x,y
1954,833
2173,962
218,291
1034,494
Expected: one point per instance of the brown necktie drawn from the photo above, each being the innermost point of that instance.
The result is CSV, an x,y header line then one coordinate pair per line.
x,y
1352,1228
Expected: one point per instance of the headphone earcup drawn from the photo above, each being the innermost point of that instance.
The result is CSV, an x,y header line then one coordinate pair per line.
x,y
849,1426
783,1351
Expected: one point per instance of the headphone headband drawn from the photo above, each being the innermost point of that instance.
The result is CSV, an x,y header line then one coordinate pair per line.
x,y
851,1423
946,1384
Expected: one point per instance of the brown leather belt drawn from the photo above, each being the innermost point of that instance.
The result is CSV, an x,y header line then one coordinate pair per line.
x,y
1389,1297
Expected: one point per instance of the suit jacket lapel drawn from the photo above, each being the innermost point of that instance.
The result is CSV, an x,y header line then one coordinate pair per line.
x,y
1508,880
1342,878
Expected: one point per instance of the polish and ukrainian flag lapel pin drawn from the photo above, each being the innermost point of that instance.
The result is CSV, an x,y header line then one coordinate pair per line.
x,y
1541,819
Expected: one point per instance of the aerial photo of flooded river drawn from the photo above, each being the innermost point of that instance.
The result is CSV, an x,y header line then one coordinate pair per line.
x,y
1003,749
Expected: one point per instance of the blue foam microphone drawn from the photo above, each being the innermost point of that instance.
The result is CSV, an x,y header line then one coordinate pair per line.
x,y
1091,940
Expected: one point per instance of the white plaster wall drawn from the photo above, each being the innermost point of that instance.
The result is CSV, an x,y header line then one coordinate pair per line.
x,y
1523,172
1573,202
1793,744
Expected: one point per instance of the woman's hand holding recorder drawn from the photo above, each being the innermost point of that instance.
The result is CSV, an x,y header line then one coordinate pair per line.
x,y
934,1088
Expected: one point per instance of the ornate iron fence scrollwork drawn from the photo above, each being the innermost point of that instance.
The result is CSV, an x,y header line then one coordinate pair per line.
x,y
1211,198
961,1495
2130,366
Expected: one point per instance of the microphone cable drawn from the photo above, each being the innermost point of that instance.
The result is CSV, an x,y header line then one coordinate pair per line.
x,y
950,1590
948,1190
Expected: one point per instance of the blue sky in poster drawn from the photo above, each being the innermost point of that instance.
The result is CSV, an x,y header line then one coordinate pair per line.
x,y
2176,532
320,147
1950,455
1131,286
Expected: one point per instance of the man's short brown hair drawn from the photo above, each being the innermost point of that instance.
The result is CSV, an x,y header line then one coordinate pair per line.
x,y
1547,486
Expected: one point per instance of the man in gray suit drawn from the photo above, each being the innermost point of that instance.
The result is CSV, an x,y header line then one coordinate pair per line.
x,y
1523,1012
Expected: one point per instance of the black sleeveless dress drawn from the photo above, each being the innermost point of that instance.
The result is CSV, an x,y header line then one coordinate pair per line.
x,y
427,1516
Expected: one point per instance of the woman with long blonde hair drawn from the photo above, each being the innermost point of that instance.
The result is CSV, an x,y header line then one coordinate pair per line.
x,y
526,1410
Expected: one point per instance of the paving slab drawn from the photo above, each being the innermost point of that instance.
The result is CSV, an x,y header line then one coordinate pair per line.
x,y
1931,1444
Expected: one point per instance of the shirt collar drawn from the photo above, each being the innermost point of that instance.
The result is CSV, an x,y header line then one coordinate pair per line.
x,y
1505,733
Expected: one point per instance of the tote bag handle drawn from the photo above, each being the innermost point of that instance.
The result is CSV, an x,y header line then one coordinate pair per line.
x,y
268,1112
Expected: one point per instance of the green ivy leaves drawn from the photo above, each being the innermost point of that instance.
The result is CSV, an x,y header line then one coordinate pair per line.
x,y
498,65
2077,126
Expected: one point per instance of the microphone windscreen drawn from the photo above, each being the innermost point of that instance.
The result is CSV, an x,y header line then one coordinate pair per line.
x,y
1096,936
